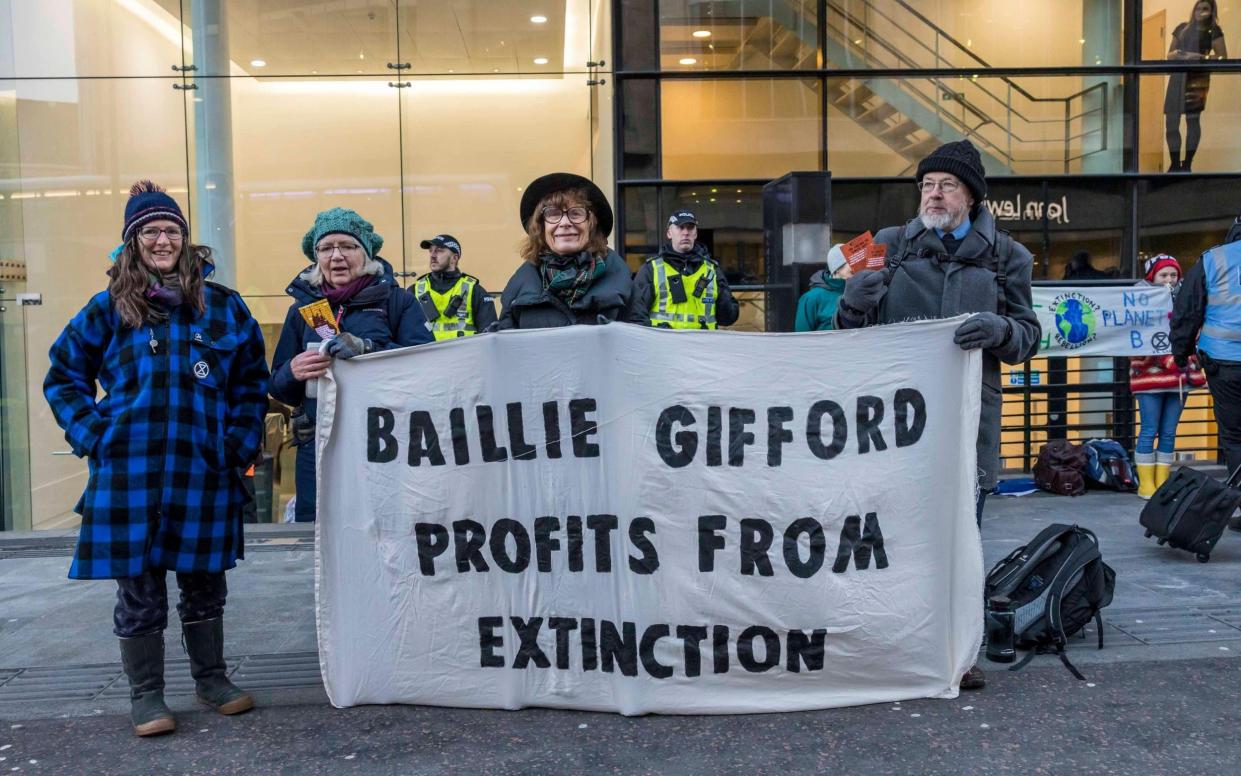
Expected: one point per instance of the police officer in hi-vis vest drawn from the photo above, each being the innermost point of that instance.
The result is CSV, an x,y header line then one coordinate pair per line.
x,y
682,287
1206,319
454,303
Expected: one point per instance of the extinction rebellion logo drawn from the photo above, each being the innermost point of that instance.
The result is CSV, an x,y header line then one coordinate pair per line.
x,y
1076,318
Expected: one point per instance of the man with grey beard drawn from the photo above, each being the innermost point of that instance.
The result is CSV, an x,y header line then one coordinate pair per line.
x,y
948,261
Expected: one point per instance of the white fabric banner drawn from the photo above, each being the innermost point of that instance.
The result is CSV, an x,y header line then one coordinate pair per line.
x,y
619,518
1103,320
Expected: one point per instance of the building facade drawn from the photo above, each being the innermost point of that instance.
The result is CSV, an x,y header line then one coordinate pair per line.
x,y
432,116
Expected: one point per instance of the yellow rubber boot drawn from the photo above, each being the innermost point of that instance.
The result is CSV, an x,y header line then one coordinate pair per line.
x,y
1145,464
1163,468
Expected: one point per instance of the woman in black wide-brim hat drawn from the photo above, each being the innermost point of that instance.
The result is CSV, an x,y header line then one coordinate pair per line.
x,y
568,274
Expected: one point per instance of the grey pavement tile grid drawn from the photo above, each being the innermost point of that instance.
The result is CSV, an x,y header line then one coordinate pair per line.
x,y
105,681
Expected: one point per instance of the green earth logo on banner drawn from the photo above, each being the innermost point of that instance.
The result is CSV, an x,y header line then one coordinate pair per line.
x,y
1076,320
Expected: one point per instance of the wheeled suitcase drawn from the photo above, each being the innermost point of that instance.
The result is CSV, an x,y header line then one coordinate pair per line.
x,y
1190,511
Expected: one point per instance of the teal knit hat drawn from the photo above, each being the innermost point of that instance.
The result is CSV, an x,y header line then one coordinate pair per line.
x,y
340,220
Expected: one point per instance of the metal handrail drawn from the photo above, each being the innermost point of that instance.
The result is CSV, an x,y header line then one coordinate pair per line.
x,y
942,89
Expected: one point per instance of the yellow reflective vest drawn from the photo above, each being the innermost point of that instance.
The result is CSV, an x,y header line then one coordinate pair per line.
x,y
699,290
454,307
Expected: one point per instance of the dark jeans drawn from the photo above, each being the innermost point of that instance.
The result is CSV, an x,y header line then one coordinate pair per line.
x,y
142,602
1224,381
982,501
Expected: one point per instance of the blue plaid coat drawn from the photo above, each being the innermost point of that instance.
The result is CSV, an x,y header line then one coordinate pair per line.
x,y
182,413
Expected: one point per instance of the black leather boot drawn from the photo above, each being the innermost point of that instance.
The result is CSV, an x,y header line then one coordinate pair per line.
x,y
143,660
204,643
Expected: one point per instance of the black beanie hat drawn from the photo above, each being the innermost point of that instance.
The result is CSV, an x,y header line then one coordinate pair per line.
x,y
961,159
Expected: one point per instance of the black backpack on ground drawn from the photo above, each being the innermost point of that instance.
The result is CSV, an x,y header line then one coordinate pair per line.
x,y
1061,467
1057,583
1190,510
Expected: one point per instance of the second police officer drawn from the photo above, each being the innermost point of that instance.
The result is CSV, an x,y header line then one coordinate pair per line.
x,y
454,302
682,287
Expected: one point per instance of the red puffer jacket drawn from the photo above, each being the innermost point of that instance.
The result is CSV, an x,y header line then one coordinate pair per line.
x,y
1160,373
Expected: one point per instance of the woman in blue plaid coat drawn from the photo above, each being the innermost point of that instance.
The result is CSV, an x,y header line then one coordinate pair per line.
x,y
181,364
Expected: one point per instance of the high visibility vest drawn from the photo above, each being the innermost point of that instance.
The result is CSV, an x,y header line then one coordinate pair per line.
x,y
454,308
701,291
1221,327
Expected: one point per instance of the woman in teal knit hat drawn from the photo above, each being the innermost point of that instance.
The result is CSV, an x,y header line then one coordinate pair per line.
x,y
349,299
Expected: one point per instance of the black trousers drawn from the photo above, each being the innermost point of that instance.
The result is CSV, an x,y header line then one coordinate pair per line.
x,y
142,601
1224,381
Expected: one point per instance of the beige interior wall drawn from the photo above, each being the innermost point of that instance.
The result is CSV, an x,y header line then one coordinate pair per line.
x,y
1005,33
738,128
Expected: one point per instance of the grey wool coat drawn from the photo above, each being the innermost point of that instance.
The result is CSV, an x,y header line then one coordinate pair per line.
x,y
924,285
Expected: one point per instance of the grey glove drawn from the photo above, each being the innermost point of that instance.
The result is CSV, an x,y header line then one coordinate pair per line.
x,y
863,292
983,330
346,346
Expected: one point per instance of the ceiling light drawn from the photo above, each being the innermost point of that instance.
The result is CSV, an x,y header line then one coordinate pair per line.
x,y
539,19
258,63
689,61
540,60
701,33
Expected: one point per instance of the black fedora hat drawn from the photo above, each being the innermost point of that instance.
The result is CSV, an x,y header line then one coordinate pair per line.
x,y
560,181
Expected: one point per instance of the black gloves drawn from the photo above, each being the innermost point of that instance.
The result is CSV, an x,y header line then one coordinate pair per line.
x,y
982,330
862,293
346,346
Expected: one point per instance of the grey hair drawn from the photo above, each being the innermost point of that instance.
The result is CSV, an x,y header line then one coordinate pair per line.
x,y
314,275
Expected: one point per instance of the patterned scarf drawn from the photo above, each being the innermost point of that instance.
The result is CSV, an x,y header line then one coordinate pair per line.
x,y
570,277
166,291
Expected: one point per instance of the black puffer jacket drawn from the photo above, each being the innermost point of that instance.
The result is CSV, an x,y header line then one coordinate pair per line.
x,y
526,304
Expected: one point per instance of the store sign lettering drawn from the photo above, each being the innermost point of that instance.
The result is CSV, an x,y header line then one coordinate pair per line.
x,y
1016,210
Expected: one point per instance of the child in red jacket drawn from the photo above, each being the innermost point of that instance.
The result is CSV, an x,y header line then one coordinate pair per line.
x,y
1160,386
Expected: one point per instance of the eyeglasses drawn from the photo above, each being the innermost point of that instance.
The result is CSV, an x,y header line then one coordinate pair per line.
x,y
346,249
946,186
152,233
554,215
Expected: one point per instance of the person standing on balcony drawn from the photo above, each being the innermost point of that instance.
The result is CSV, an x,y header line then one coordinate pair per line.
x,y
951,260
1160,386
453,302
682,287
184,376
1206,317
1196,40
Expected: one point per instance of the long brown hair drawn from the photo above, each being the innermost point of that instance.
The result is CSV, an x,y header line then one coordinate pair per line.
x,y
130,279
534,245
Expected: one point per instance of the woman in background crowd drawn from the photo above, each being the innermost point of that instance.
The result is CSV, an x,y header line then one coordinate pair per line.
x,y
1160,386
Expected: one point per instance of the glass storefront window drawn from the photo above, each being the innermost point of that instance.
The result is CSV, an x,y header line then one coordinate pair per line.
x,y
77,153
1048,125
744,35
739,128
90,38
971,34
1184,218
1170,26
1193,115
